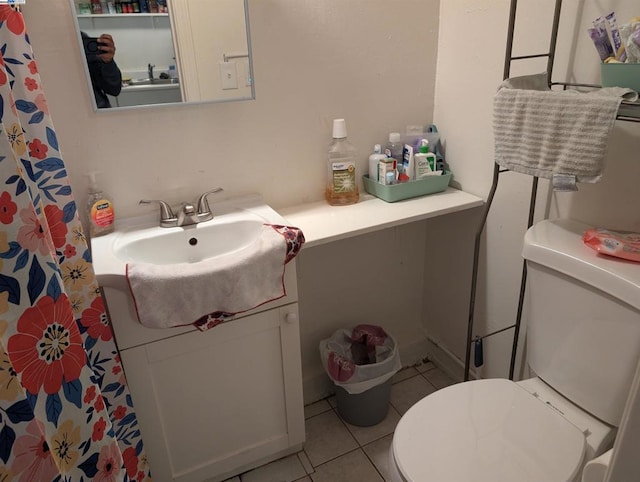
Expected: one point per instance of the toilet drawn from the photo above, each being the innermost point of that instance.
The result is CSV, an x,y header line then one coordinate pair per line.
x,y
583,345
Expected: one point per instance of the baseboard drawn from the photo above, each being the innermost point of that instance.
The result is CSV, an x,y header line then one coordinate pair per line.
x,y
317,386
447,361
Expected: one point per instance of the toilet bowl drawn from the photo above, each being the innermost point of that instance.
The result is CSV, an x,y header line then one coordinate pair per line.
x,y
583,343
495,430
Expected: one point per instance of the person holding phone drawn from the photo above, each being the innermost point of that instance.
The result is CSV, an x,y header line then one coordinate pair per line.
x,y
106,77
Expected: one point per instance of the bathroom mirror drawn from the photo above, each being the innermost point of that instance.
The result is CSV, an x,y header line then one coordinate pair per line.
x,y
171,51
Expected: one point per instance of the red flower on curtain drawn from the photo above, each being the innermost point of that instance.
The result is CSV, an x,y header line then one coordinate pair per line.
x,y
95,320
130,462
7,208
99,403
109,464
3,72
37,149
33,67
90,394
98,430
32,456
69,251
57,226
15,22
32,234
47,348
30,84
119,412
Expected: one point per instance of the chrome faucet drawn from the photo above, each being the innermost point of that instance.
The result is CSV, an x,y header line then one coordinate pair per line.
x,y
150,70
188,213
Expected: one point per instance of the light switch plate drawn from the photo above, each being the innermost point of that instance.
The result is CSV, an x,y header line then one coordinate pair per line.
x,y
228,75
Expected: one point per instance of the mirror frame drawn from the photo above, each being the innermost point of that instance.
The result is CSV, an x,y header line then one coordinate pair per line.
x,y
116,109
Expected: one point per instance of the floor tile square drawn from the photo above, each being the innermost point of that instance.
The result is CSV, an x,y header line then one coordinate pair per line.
x,y
364,435
327,438
287,469
378,453
304,479
352,467
438,378
425,367
408,392
316,409
404,374
304,460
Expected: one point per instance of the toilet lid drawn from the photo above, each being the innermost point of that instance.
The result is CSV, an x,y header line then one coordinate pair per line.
x,y
486,431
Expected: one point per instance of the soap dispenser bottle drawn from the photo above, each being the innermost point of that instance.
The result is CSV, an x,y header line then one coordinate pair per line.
x,y
99,210
374,161
342,187
425,161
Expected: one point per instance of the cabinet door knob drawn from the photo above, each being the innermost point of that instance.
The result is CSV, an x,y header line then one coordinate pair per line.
x,y
291,318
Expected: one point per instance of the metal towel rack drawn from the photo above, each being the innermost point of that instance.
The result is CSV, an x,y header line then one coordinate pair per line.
x,y
631,114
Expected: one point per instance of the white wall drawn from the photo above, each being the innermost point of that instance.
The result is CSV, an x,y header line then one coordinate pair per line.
x,y
472,40
369,61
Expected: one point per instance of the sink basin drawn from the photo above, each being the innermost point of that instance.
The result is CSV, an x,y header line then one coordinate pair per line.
x,y
152,81
190,244
236,223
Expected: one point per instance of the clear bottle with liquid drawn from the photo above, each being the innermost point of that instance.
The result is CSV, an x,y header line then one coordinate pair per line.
x,y
342,186
99,210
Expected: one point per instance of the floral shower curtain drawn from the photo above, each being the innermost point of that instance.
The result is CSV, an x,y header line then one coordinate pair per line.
x,y
65,409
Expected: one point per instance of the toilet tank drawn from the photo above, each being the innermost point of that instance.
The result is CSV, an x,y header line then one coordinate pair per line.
x,y
583,318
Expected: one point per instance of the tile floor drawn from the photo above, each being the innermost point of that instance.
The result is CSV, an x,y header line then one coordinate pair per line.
x,y
336,451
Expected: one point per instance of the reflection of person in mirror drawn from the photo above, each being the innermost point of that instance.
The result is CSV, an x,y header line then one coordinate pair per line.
x,y
106,77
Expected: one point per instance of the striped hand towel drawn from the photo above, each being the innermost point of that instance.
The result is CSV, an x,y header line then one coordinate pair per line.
x,y
542,132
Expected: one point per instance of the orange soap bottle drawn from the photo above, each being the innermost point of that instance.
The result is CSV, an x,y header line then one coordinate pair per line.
x,y
99,210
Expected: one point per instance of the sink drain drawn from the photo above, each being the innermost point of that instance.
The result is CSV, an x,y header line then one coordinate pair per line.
x,y
193,241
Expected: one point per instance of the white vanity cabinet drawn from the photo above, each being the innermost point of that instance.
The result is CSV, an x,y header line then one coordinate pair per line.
x,y
213,404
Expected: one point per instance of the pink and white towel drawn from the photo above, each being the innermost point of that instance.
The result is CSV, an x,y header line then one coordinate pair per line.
x,y
213,291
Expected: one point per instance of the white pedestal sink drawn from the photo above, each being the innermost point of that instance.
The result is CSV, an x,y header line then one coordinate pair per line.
x,y
212,404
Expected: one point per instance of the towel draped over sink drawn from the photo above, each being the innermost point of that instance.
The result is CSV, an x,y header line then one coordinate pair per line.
x,y
214,290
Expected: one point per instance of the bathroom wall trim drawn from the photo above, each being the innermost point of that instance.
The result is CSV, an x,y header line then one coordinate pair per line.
x,y
444,359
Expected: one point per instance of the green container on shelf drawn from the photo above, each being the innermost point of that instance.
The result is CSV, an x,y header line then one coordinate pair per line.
x,y
407,190
621,75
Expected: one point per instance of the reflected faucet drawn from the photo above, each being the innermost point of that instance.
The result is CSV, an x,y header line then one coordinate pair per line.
x,y
150,70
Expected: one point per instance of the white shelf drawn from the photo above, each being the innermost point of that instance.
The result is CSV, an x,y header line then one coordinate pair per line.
x,y
322,223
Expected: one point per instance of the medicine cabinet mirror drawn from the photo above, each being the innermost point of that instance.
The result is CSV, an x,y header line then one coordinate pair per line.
x,y
172,51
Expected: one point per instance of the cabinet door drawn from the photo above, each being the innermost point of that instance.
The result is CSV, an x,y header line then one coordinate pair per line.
x,y
213,403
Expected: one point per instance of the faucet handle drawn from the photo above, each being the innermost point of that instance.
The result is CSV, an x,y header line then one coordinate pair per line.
x,y
166,213
203,204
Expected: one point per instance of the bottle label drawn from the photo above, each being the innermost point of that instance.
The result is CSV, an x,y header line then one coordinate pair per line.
x,y
102,214
343,176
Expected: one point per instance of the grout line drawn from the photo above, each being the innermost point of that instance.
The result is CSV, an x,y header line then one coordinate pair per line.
x,y
337,457
428,381
374,465
308,464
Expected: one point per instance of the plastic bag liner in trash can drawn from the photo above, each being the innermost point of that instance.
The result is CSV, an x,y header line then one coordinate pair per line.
x,y
361,363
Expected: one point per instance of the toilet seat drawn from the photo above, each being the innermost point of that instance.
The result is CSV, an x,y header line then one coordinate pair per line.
x,y
486,431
